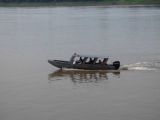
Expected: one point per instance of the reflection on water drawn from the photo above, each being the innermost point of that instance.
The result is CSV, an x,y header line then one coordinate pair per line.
x,y
80,76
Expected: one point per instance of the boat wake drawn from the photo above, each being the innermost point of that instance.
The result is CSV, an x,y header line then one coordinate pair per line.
x,y
154,65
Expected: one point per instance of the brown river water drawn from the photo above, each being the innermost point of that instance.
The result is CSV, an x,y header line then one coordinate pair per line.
x,y
32,89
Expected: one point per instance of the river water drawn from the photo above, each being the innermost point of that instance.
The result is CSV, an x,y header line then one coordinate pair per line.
x,y
32,89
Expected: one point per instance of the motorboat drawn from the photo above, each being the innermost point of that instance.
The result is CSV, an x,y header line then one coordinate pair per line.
x,y
84,62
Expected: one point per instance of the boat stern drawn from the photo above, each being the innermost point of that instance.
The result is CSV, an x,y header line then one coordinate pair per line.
x,y
116,64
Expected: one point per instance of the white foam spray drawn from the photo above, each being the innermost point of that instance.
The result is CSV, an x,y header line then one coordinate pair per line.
x,y
141,66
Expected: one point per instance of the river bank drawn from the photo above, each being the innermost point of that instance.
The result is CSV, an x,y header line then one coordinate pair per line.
x,y
50,4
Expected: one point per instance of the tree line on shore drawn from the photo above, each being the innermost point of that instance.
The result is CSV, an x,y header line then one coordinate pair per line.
x,y
109,1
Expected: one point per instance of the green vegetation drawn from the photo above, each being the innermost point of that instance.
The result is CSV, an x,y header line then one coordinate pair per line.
x,y
139,1
76,2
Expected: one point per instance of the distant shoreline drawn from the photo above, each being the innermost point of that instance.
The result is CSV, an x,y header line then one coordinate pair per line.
x,y
52,4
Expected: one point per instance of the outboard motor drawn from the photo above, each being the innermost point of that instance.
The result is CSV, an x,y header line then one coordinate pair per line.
x,y
116,64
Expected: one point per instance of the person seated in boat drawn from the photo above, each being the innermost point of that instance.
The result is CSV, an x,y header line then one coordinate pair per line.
x,y
87,61
99,62
91,61
95,60
80,61
105,61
